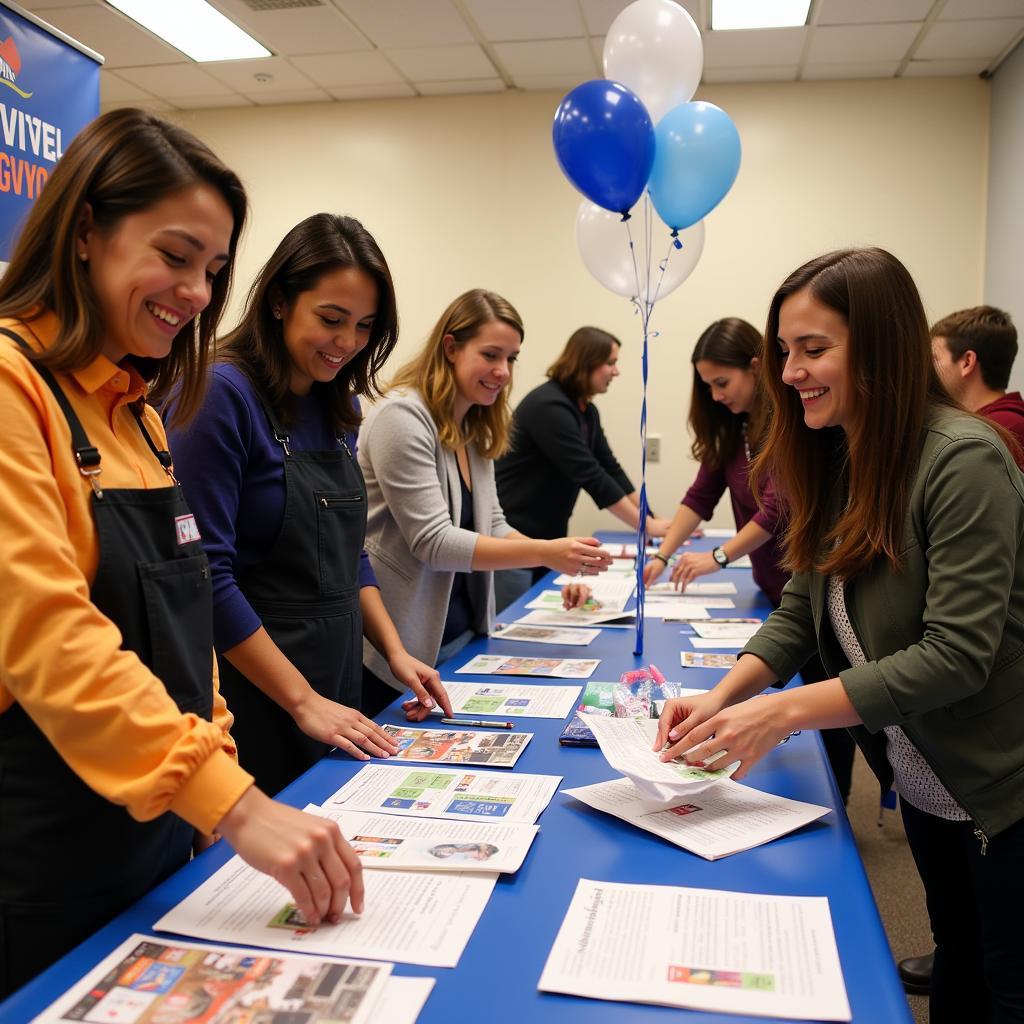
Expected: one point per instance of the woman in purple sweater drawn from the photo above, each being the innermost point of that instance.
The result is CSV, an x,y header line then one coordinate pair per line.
x,y
726,418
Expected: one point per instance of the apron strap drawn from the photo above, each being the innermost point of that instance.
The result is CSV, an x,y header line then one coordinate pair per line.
x,y
281,436
163,456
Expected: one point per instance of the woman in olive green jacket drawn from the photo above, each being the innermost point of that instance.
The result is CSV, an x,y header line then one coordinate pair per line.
x,y
906,522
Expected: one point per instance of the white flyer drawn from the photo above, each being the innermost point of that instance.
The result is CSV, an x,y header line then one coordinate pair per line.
x,y
416,917
449,745
717,822
502,665
726,630
723,644
544,634
403,999
627,746
577,617
390,842
699,949
462,795
743,562
516,700
673,610
667,588
156,979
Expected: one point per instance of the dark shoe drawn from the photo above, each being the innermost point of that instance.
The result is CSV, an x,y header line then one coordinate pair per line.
x,y
916,974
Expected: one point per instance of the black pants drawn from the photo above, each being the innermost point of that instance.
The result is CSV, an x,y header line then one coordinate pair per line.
x,y
839,744
974,904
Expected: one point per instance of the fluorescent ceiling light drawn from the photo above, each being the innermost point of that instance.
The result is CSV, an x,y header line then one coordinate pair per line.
x,y
727,14
194,27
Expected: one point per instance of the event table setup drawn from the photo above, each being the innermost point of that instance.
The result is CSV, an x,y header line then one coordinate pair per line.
x,y
486,939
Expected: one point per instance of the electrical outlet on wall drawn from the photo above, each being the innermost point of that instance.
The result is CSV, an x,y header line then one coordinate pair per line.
x,y
654,447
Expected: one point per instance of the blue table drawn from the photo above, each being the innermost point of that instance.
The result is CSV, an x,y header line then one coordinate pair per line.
x,y
502,963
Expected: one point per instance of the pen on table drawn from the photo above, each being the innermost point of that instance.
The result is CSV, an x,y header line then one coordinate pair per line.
x,y
478,723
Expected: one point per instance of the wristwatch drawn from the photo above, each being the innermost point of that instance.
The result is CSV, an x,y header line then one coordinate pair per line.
x,y
720,557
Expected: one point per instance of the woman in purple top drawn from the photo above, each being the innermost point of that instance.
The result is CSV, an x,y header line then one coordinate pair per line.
x,y
727,426
726,417
269,468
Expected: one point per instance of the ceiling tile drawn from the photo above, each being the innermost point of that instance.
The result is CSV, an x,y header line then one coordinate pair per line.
x,y
116,37
837,72
961,40
299,29
397,23
443,63
273,98
746,48
944,68
345,69
470,86
556,82
501,21
372,92
231,99
859,12
548,56
174,81
718,76
240,75
114,89
599,14
858,44
961,10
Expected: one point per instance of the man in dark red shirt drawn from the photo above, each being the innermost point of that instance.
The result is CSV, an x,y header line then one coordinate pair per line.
x,y
974,350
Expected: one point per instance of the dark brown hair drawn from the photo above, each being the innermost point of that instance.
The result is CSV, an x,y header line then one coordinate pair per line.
x,y
892,383
318,245
989,333
122,163
431,374
586,350
718,433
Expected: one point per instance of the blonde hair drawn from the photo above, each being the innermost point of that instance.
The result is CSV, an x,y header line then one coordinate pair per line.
x,y
431,374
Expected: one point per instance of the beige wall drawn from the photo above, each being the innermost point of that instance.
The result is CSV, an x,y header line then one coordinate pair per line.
x,y
464,191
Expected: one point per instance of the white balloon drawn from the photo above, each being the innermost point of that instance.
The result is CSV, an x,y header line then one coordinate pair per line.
x,y
654,49
603,241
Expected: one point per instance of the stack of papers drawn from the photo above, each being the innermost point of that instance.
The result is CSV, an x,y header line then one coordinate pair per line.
x,y
153,979
701,949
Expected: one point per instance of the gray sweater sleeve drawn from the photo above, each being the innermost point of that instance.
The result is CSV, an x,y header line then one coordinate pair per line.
x,y
402,445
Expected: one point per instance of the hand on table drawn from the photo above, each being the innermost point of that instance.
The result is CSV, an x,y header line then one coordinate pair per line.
x,y
306,854
342,727
576,595
691,565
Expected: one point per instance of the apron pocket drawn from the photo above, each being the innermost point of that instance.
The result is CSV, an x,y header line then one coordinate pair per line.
x,y
341,532
179,611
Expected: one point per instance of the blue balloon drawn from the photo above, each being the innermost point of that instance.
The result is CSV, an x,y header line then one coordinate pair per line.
x,y
604,141
697,158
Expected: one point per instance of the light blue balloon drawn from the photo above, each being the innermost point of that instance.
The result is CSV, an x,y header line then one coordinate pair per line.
x,y
696,160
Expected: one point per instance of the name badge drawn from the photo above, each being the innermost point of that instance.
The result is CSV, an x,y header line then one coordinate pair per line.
x,y
188,532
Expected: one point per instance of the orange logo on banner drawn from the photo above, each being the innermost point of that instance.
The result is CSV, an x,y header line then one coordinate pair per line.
x,y
10,66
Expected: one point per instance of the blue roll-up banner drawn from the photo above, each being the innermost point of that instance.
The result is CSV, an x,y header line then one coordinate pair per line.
x,y
49,91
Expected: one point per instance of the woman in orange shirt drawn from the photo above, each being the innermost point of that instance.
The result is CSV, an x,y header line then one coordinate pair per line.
x,y
115,753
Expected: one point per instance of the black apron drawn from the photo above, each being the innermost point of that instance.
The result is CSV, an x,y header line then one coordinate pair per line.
x,y
69,859
306,593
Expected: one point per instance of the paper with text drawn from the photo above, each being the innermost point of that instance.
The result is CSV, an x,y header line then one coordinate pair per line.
x,y
700,949
465,795
723,644
726,630
154,979
502,665
706,659
457,746
720,821
514,700
668,589
415,917
544,634
578,617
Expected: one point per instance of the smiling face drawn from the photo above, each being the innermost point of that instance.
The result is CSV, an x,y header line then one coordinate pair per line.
x,y
328,325
602,376
153,271
733,386
814,342
482,366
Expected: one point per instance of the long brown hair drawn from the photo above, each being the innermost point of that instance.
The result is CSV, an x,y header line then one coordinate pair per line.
x,y
892,383
718,433
122,163
431,374
586,350
318,245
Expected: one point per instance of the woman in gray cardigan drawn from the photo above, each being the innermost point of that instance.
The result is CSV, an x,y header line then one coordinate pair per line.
x,y
906,517
435,529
